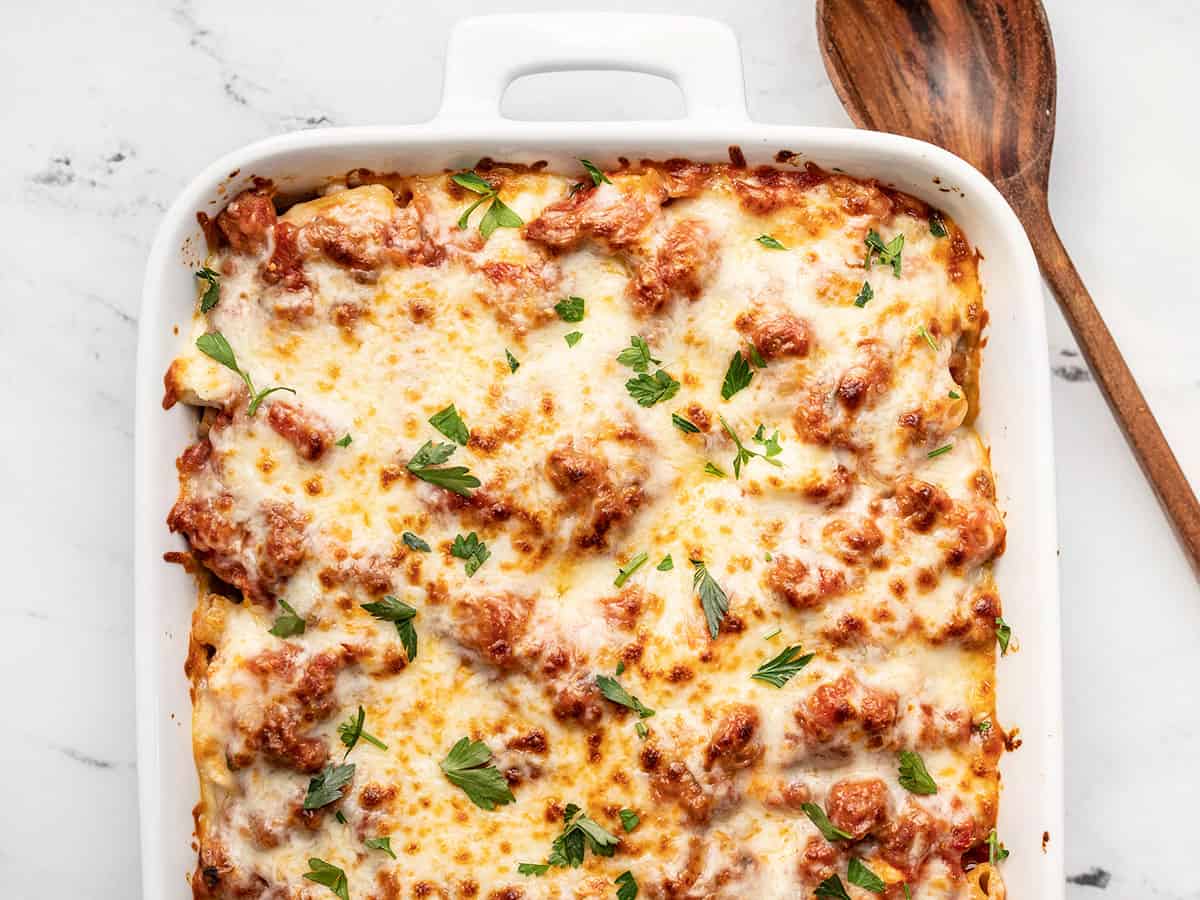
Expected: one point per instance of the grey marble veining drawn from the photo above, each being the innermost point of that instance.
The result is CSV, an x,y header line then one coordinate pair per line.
x,y
109,109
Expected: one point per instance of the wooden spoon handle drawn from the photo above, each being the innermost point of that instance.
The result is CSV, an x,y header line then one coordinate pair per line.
x,y
1116,381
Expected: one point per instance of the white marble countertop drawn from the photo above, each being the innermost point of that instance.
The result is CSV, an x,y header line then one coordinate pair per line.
x,y
109,109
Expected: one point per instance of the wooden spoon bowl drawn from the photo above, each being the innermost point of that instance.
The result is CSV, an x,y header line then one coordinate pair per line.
x,y
979,80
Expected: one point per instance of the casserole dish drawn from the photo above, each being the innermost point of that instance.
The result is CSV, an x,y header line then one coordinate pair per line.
x,y
702,58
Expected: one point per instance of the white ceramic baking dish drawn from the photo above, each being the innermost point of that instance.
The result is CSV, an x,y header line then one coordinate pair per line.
x,y
703,59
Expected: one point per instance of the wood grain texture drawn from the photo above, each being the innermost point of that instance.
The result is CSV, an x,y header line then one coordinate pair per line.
x,y
978,77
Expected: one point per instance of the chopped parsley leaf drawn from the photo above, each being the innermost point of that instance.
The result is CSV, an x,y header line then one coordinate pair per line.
x,y
288,623
392,609
573,338
744,455
214,346
625,571
828,830
579,833
650,389
471,549
637,355
212,293
468,766
1003,634
715,471
498,214
859,875
629,819
769,242
570,309
598,177
737,376
612,690
937,225
450,424
713,600
996,850
345,440
453,478
327,786
667,564
886,254
513,362
914,777
328,875
928,338
381,843
684,425
351,731
865,295
538,869
782,668
832,887
627,886
415,543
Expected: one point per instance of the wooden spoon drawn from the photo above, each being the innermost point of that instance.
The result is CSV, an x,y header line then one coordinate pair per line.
x,y
979,79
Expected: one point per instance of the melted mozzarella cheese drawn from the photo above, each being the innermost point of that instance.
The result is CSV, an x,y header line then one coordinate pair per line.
x,y
425,336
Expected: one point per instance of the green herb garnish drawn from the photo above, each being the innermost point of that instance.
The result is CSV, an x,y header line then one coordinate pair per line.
x,y
858,874
468,766
328,875
914,777
472,550
415,543
327,786
713,600
451,425
612,690
832,887
828,830
684,425
782,668
886,254
598,177
625,571
579,833
214,346
498,214
737,376
212,293
570,309
650,389
392,609
1003,634
351,731
288,623
453,478
637,355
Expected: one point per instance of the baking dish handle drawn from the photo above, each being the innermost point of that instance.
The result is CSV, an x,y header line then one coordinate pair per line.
x,y
487,53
